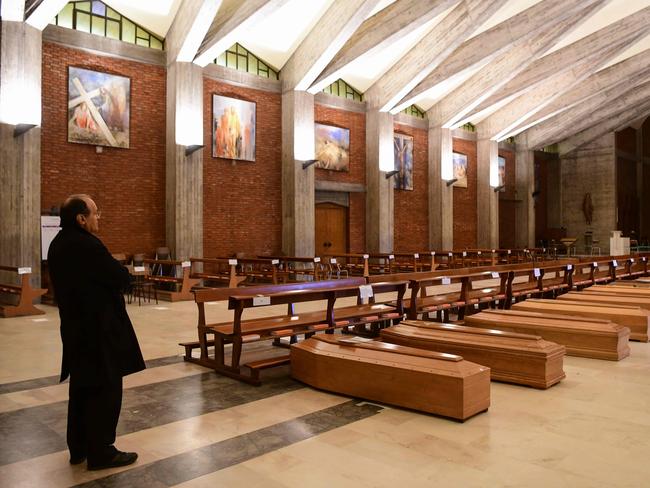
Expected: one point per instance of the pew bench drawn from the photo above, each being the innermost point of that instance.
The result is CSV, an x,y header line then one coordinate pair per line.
x,y
233,272
181,286
239,331
23,294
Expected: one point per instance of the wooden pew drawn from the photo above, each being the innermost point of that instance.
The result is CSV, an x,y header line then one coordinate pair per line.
x,y
437,383
598,339
239,331
514,358
637,267
233,272
354,264
298,269
182,286
634,318
613,289
24,295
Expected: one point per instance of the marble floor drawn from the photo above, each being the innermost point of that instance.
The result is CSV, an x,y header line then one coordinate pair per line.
x,y
193,428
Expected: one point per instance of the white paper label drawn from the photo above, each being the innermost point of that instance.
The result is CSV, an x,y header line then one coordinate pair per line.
x,y
186,264
464,254
275,261
495,274
451,254
595,264
259,300
493,250
509,251
365,291
24,270
478,252
536,272
569,267
232,262
446,281
643,259
416,256
138,269
333,260
433,253
632,260
615,263
366,256
391,256
317,259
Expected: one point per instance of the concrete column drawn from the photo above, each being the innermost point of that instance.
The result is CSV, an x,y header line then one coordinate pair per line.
x,y
525,208
441,196
487,200
184,174
297,183
639,180
554,190
379,189
20,157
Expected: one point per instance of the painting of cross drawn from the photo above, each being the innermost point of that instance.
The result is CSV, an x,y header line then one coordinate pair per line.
x,y
98,108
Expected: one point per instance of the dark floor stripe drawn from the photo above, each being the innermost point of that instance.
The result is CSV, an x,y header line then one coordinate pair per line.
x,y
53,380
36,431
205,460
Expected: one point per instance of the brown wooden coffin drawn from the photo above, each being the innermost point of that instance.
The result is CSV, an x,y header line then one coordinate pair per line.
x,y
601,298
437,383
628,291
514,358
598,339
634,318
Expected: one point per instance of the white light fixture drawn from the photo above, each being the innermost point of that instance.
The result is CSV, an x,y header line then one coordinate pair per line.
x,y
386,154
494,170
45,12
189,128
304,142
20,103
447,166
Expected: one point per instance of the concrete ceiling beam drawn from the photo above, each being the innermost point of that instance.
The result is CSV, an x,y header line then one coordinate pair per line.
x,y
488,45
613,123
621,33
330,34
626,72
429,52
384,28
40,14
452,110
232,19
189,28
501,124
589,112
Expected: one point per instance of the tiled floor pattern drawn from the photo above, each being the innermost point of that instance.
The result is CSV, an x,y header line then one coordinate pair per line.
x,y
193,428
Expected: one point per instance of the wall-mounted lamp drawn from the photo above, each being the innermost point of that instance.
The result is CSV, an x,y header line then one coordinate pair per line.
x,y
452,181
390,174
308,163
192,148
499,188
20,129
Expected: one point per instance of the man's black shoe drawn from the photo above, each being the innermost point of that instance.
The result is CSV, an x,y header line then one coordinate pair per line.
x,y
119,459
77,459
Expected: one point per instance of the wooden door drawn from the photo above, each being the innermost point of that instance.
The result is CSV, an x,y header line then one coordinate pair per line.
x,y
331,229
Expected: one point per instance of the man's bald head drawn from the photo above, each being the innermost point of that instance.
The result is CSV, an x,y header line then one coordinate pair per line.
x,y
76,210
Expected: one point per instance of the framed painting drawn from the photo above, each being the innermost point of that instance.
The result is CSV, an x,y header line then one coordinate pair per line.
x,y
502,173
460,169
332,147
98,108
233,128
403,149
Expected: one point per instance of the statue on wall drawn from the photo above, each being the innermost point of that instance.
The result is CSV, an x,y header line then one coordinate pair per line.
x,y
587,208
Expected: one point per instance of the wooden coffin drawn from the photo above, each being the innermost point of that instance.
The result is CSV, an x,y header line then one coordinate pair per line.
x,y
437,383
627,301
598,339
514,358
628,291
634,318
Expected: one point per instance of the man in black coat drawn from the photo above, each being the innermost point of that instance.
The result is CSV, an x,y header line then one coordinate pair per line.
x,y
99,343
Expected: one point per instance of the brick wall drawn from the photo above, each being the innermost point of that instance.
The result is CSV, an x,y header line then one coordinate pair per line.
x,y
465,199
507,209
242,200
411,207
128,185
356,122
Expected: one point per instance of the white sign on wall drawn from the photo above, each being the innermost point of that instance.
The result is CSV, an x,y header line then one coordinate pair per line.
x,y
50,227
